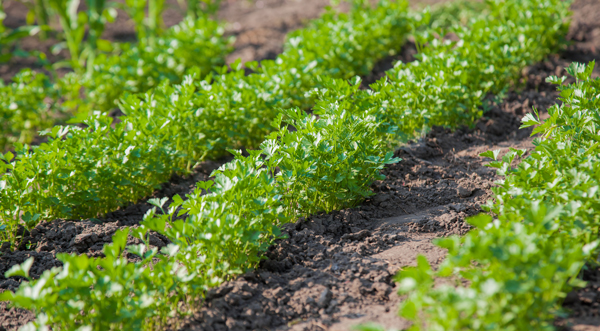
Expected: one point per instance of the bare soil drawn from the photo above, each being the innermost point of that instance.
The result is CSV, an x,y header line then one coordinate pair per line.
x,y
336,270
583,305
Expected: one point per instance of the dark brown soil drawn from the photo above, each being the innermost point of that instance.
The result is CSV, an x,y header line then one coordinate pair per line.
x,y
335,270
583,304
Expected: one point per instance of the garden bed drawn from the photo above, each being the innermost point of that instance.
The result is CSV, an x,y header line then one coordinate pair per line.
x,y
335,270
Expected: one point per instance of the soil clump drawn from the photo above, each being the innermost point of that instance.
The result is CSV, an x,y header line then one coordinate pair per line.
x,y
583,305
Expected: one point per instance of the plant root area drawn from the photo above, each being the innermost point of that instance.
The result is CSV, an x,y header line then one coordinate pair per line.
x,y
336,270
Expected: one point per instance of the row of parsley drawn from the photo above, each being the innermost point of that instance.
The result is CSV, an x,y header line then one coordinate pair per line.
x,y
34,101
84,172
521,263
328,162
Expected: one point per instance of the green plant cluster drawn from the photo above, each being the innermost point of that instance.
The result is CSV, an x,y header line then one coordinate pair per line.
x,y
222,231
192,45
105,71
327,162
82,172
446,84
26,104
10,37
520,264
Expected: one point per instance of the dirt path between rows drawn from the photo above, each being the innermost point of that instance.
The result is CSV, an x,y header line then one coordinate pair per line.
x,y
335,270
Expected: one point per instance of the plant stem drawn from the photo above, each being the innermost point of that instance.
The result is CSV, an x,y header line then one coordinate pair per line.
x,y
192,9
42,17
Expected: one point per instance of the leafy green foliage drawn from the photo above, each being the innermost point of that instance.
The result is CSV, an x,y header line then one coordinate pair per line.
x,y
137,69
26,106
105,71
176,126
129,70
521,264
520,274
174,53
327,162
447,82
101,288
